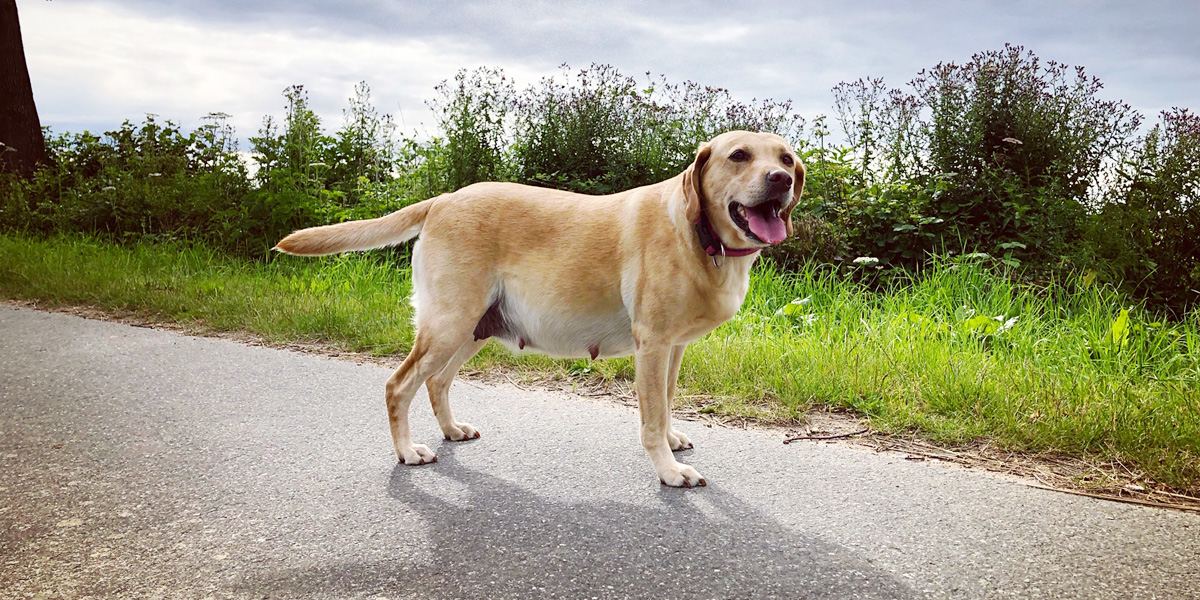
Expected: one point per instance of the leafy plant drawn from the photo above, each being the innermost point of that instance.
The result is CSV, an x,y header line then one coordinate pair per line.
x,y
472,112
1002,148
596,130
1145,233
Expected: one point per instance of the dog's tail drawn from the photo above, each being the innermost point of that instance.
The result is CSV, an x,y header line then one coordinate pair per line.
x,y
389,230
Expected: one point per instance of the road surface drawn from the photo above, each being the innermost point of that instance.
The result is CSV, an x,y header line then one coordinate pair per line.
x,y
144,463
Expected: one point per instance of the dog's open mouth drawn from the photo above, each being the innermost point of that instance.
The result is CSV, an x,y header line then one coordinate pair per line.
x,y
761,221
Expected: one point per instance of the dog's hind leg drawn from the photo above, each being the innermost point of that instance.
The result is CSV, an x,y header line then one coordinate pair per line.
x,y
432,352
439,394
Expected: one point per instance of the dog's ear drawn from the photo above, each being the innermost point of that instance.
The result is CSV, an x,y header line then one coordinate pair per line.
x,y
797,190
692,183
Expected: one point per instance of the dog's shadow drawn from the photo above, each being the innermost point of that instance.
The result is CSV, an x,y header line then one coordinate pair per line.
x,y
490,538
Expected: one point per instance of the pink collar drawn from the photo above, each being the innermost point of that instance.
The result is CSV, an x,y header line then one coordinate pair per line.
x,y
712,244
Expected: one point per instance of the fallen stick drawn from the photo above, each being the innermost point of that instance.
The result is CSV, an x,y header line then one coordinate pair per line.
x,y
825,437
953,458
510,380
1193,498
1116,498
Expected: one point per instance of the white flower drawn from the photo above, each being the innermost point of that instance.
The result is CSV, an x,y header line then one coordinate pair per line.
x,y
866,260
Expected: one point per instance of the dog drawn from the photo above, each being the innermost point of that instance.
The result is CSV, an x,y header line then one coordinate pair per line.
x,y
642,272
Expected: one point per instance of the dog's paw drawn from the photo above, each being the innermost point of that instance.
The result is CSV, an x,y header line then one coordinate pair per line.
x,y
460,432
681,475
417,454
678,441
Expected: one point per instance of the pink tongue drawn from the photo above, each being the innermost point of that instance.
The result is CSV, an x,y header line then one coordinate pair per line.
x,y
763,223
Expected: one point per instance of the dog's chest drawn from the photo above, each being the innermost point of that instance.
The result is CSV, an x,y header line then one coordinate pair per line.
x,y
713,309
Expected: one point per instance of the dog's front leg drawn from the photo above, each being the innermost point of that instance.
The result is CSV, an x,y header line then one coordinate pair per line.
x,y
653,364
676,439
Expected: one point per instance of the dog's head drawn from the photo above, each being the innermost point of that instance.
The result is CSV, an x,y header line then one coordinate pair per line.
x,y
747,185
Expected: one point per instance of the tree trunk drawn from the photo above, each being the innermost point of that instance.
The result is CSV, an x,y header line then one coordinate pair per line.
x,y
23,147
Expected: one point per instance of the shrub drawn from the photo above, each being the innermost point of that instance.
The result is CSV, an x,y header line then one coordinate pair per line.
x,y
307,178
472,113
594,130
1002,149
1024,144
867,214
1145,233
135,180
363,151
598,131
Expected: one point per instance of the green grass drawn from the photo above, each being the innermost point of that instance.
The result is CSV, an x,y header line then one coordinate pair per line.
x,y
1069,374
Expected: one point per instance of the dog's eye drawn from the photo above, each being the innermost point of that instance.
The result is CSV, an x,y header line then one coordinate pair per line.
x,y
787,160
739,156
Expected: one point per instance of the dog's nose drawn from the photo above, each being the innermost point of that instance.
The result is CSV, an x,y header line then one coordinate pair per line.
x,y
779,179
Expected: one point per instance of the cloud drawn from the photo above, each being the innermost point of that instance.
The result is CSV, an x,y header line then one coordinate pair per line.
x,y
96,63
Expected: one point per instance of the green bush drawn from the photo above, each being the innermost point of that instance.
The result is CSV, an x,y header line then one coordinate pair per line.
x,y
472,113
1000,153
594,130
1023,144
154,180
1147,229
598,131
150,179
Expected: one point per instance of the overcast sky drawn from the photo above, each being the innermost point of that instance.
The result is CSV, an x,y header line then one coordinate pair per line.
x,y
96,63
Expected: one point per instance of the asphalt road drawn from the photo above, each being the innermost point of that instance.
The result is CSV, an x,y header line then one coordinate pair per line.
x,y
143,463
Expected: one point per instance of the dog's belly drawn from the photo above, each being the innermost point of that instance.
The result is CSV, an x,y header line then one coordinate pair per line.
x,y
523,326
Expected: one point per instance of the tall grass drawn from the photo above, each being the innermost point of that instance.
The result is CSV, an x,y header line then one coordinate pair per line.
x,y
961,351
359,304
932,351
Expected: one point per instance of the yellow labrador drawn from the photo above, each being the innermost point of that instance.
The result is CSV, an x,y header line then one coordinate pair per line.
x,y
642,272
